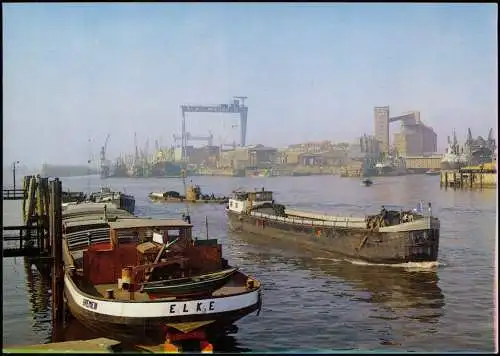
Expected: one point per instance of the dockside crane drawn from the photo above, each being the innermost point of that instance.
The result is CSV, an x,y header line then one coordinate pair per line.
x,y
236,107
104,164
189,137
104,148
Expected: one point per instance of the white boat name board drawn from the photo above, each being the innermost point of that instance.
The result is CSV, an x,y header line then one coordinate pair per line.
x,y
89,304
173,308
160,308
191,308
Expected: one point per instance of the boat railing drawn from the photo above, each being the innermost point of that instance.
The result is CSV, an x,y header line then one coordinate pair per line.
x,y
80,239
344,222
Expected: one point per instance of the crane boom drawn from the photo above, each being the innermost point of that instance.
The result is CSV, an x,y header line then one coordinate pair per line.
x,y
106,142
233,108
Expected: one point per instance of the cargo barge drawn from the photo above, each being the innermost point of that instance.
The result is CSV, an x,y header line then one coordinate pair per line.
x,y
390,237
143,277
193,195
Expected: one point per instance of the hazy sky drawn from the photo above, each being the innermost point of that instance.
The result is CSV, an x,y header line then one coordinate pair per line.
x,y
77,71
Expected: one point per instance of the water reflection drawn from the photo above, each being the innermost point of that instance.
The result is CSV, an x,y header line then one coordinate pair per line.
x,y
224,341
38,288
395,289
402,292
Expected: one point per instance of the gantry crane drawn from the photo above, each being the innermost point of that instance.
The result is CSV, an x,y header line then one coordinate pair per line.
x,y
234,108
189,137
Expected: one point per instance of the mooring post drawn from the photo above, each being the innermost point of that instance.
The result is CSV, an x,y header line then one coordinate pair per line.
x,y
26,180
44,217
56,242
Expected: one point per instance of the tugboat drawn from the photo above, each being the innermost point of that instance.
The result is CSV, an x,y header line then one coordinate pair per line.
x,y
145,278
432,172
390,237
366,182
193,195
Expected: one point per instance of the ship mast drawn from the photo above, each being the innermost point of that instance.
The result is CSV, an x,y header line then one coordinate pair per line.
x,y
187,217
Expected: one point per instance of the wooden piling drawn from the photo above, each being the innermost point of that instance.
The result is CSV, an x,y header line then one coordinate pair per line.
x,y
38,197
44,184
31,200
26,180
56,244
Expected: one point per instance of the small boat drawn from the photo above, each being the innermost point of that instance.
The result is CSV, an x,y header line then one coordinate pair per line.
x,y
105,196
193,195
189,285
432,172
390,237
118,199
73,197
366,182
139,276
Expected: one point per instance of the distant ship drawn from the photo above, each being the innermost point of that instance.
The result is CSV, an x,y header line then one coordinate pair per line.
x,y
58,170
119,169
474,152
166,169
453,157
452,160
390,167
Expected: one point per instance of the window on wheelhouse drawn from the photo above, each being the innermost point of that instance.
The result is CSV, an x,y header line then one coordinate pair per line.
x,y
261,196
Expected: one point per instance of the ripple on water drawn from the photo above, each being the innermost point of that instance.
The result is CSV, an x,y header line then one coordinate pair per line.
x,y
321,302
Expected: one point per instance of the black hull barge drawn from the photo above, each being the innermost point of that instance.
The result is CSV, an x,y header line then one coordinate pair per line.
x,y
142,278
391,237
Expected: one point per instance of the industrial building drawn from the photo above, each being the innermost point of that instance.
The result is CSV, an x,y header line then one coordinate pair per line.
x,y
312,147
420,164
414,138
251,156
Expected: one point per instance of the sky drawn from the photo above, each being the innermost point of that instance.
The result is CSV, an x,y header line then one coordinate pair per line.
x,y
77,72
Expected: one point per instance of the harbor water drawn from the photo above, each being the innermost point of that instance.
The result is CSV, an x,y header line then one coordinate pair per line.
x,y
313,301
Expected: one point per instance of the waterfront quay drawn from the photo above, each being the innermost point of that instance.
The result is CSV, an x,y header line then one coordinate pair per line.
x,y
484,176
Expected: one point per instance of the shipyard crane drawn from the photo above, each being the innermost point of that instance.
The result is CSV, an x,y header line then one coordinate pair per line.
x,y
104,163
233,108
189,137
104,148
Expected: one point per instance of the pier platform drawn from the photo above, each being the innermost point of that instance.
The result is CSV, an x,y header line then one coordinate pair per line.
x,y
14,194
100,345
469,178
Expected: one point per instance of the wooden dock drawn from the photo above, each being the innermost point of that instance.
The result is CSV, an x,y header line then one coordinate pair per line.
x,y
14,194
23,240
467,178
40,236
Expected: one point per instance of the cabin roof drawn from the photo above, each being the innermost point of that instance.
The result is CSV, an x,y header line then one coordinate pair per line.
x,y
84,222
143,222
251,191
90,218
93,208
